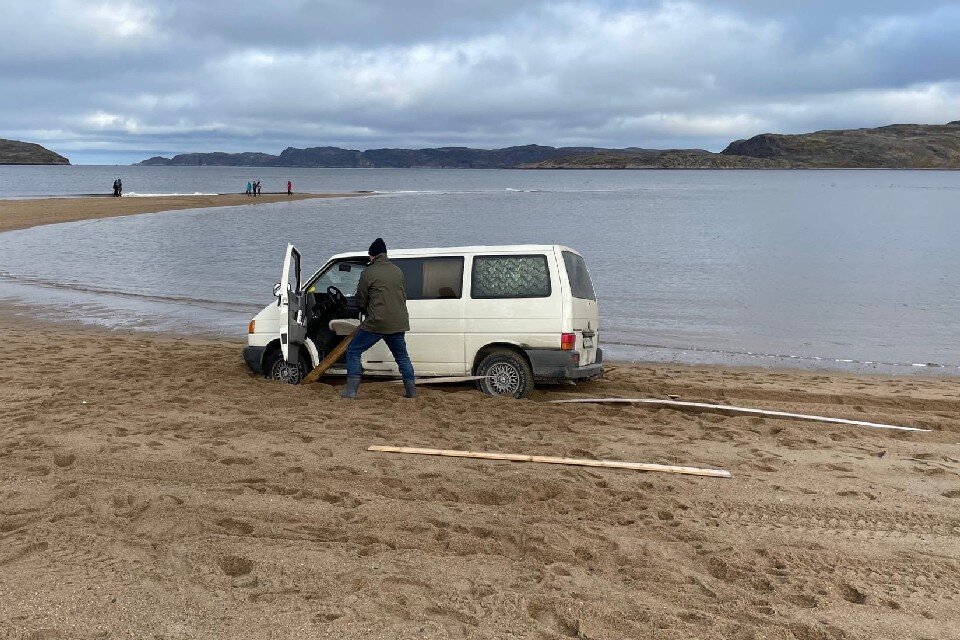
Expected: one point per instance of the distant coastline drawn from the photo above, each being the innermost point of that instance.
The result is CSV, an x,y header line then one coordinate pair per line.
x,y
899,146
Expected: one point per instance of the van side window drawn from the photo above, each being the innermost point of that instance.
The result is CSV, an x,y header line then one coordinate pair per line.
x,y
581,286
432,278
510,277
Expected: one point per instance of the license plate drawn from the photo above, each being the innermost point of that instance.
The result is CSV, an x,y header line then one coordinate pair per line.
x,y
587,343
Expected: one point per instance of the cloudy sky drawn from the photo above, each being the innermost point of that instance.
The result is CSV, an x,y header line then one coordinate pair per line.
x,y
113,81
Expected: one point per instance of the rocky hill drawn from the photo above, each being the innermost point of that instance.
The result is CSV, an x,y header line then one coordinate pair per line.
x,y
655,159
897,146
443,157
216,159
16,152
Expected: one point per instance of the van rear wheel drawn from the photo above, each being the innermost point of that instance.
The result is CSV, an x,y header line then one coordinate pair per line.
x,y
282,371
506,373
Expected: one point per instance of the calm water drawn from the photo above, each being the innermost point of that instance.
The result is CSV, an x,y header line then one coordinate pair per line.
x,y
854,270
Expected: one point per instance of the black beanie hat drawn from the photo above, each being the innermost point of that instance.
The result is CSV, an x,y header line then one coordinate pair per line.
x,y
378,247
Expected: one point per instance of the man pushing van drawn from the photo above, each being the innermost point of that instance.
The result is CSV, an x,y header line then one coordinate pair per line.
x,y
382,298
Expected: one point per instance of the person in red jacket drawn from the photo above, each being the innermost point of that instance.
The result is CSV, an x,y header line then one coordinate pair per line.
x,y
289,188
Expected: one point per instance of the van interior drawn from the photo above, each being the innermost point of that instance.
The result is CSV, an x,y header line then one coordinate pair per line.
x,y
332,295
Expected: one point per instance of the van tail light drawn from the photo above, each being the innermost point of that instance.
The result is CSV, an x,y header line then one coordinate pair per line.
x,y
568,341
252,327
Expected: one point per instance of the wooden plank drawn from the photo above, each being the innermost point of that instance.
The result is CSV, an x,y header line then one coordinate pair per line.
x,y
746,410
331,358
448,379
386,378
581,462
444,380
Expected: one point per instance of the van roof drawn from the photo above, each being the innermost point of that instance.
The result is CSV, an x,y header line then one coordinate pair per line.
x,y
443,251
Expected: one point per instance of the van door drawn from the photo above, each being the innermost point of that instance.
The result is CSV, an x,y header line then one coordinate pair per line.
x,y
434,288
293,329
584,314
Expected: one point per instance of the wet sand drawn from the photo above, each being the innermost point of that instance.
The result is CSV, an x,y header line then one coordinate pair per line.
x,y
152,487
21,214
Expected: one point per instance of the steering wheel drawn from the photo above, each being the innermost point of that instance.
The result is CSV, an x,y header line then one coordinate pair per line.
x,y
336,297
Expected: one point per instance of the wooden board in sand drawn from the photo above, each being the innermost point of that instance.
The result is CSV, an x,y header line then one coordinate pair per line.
x,y
747,410
445,380
580,462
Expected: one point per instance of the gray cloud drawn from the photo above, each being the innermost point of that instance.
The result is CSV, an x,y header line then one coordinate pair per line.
x,y
118,80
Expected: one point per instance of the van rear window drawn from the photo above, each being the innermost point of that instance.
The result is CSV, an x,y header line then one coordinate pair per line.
x,y
580,284
510,277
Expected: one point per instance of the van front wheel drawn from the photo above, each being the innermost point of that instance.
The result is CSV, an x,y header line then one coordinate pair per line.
x,y
506,373
282,371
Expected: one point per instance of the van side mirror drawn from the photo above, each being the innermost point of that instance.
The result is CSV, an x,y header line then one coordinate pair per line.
x,y
276,290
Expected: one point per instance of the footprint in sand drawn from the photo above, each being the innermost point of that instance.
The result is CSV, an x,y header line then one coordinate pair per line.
x,y
237,527
852,594
64,459
235,566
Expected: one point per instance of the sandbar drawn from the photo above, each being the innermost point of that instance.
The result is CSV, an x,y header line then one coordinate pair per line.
x,y
32,212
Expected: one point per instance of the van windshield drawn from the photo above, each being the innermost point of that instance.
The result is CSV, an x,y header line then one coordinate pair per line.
x,y
344,275
580,284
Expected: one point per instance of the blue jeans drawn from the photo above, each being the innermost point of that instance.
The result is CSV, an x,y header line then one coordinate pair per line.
x,y
364,339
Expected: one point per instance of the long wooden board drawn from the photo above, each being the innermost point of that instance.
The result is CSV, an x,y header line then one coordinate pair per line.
x,y
723,407
581,462
331,358
445,380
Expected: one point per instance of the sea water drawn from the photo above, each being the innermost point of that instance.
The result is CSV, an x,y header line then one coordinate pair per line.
x,y
856,270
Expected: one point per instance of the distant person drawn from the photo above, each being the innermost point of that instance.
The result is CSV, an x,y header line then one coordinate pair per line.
x,y
116,188
381,296
256,188
289,188
249,188
119,187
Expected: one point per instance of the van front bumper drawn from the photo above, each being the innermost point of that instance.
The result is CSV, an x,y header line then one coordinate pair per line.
x,y
554,365
253,356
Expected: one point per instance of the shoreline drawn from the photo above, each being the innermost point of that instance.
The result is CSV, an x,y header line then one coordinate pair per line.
x,y
24,213
27,212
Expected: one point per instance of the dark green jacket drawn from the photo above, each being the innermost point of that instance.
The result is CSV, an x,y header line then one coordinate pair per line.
x,y
382,297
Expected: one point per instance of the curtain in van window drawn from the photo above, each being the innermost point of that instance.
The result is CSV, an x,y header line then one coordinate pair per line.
x,y
510,277
442,278
431,278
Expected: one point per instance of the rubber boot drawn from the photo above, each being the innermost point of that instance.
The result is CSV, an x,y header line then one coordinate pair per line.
x,y
410,388
350,391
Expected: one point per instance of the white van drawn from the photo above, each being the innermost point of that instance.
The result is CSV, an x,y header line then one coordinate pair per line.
x,y
514,314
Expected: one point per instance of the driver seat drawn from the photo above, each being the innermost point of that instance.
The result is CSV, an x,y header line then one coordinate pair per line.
x,y
343,326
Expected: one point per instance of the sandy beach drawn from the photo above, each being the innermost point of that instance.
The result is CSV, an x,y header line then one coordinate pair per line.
x,y
152,487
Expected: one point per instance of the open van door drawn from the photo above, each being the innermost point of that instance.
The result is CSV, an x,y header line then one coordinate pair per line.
x,y
293,322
